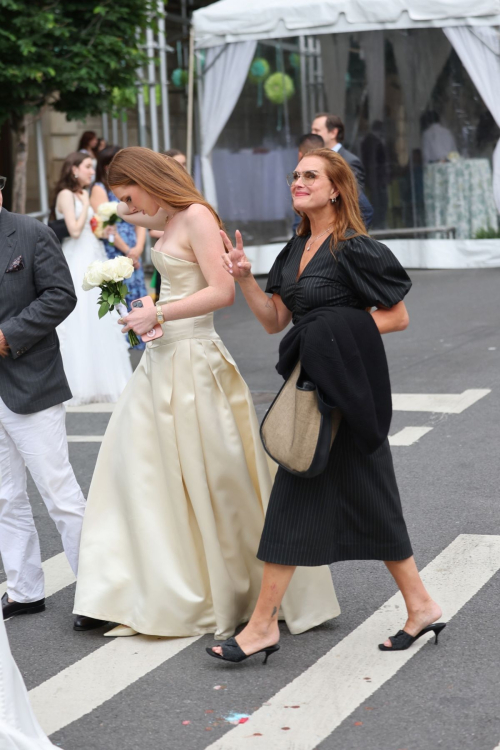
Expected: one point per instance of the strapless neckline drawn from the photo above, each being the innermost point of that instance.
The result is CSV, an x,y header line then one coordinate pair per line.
x,y
174,257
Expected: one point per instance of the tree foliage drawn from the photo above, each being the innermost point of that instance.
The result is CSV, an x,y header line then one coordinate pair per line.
x,y
81,56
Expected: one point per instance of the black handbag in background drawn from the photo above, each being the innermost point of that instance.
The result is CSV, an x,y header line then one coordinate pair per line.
x,y
59,228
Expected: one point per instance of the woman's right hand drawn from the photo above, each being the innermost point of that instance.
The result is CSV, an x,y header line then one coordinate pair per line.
x,y
234,259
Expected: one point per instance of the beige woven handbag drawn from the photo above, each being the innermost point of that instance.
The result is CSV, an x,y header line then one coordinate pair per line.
x,y
299,429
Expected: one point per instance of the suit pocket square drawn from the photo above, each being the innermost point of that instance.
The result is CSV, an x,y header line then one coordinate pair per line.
x,y
16,265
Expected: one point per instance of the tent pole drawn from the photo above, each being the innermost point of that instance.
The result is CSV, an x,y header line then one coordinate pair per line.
x,y
162,46
189,144
288,139
42,173
153,115
141,109
303,85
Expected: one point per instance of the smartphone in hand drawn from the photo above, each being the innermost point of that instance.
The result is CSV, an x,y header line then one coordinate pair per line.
x,y
157,331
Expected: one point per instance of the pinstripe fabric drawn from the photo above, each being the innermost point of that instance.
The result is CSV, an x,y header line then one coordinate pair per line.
x,y
33,301
352,511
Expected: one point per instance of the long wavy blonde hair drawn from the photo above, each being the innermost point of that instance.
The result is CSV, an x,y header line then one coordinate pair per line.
x,y
345,211
159,175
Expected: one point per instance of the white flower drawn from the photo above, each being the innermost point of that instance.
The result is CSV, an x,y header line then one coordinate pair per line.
x,y
117,269
106,211
93,276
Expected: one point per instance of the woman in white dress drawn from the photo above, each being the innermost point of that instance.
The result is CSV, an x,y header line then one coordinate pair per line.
x,y
19,729
94,353
177,502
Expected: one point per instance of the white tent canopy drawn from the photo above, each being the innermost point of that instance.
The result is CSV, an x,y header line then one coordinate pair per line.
x,y
229,21
230,30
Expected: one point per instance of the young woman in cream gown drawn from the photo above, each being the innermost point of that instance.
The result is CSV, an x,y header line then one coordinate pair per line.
x,y
177,502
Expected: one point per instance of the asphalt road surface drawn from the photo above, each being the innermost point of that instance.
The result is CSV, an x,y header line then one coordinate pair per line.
x,y
329,688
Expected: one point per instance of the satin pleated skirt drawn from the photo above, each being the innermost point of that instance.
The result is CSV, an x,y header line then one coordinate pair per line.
x,y
177,503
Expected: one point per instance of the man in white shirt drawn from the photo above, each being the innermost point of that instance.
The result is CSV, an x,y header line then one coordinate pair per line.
x,y
437,141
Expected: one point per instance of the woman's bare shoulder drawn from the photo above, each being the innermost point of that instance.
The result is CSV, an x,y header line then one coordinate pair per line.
x,y
65,193
199,211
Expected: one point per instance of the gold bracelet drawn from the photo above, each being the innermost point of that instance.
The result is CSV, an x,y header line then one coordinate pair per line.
x,y
159,314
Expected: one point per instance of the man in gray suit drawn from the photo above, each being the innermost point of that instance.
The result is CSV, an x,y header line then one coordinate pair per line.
x,y
331,129
36,295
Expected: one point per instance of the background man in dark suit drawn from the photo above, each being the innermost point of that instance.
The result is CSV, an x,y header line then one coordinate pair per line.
x,y
36,295
331,129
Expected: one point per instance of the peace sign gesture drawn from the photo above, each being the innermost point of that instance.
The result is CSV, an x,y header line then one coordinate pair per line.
x,y
234,260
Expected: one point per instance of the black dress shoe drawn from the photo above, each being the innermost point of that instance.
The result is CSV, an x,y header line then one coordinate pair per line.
x,y
10,609
87,623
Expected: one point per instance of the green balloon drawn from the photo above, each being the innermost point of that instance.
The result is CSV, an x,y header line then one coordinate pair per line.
x,y
279,88
259,70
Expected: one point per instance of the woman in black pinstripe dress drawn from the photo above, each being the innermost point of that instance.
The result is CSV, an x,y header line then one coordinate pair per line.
x,y
352,511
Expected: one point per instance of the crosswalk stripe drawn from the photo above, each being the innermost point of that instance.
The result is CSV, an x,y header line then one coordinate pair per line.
x,y
85,438
87,684
442,403
330,690
408,435
58,575
91,408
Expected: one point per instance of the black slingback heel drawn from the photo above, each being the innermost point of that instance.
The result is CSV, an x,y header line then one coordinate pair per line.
x,y
232,652
403,640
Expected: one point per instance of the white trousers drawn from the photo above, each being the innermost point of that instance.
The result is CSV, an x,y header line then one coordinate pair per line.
x,y
36,441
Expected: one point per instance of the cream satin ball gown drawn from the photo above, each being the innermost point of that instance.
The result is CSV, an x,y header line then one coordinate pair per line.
x,y
176,506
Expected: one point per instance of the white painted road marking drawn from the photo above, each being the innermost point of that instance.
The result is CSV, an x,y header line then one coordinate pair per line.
x,y
330,690
85,438
58,575
442,403
91,408
82,687
408,435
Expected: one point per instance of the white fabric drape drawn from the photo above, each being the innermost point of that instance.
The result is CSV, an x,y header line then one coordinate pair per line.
x,y
19,729
226,69
335,59
372,44
420,58
479,51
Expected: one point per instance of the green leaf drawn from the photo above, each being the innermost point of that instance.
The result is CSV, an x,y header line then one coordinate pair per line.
x,y
104,294
123,291
103,309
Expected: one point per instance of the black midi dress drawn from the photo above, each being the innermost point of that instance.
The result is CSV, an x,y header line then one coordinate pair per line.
x,y
352,511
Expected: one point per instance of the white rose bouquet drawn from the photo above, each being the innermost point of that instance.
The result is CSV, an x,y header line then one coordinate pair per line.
x,y
106,216
109,276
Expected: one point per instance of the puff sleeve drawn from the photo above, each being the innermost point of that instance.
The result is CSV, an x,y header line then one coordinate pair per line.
x,y
273,285
373,272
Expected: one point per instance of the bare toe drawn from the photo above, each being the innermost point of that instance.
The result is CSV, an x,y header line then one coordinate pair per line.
x,y
217,650
388,643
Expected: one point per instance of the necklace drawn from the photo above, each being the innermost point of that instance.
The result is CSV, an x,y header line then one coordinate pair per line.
x,y
317,238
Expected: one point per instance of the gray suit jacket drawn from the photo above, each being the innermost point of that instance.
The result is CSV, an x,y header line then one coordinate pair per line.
x,y
356,165
36,294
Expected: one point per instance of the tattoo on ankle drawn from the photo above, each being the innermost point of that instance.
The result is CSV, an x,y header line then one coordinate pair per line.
x,y
275,609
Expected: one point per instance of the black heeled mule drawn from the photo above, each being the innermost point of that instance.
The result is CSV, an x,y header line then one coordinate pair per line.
x,y
403,640
232,652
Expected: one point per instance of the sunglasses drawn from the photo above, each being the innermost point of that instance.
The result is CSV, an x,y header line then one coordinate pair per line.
x,y
308,177
3,180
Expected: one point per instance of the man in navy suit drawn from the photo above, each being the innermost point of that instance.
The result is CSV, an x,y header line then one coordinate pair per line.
x,y
331,129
